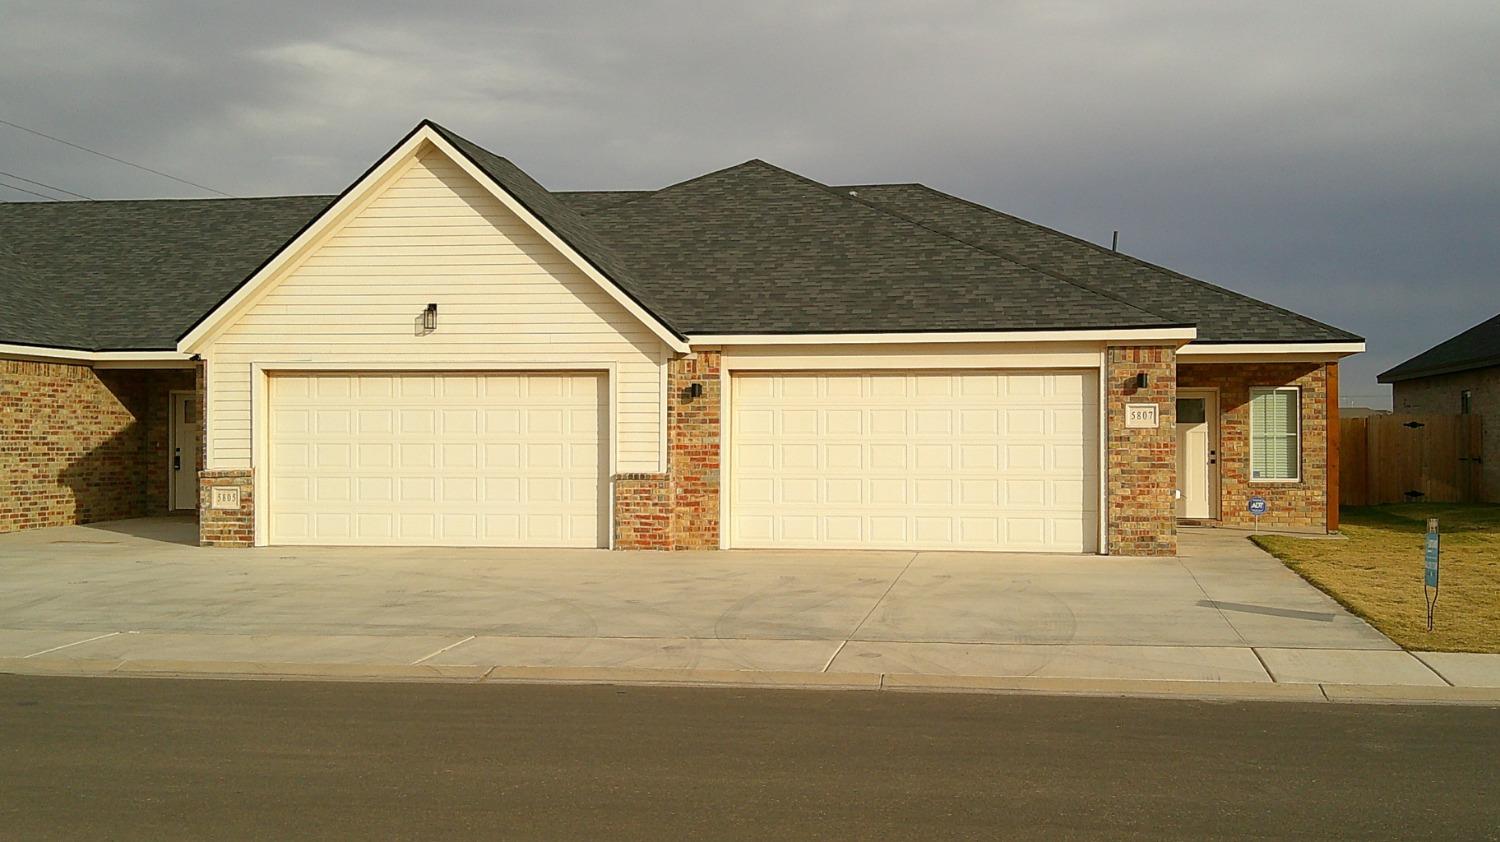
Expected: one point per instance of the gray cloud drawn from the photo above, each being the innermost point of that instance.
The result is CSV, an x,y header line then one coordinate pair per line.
x,y
1336,158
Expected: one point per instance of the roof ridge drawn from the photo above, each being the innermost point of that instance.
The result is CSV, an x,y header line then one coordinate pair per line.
x,y
847,196
1136,260
646,194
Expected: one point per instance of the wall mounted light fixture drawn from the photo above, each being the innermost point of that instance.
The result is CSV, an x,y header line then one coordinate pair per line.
x,y
1142,380
695,390
429,319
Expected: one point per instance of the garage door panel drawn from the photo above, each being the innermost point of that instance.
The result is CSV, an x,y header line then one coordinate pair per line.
x,y
474,459
975,460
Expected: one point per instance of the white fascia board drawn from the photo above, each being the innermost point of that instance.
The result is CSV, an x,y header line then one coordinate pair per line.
x,y
1175,335
224,314
1288,351
72,355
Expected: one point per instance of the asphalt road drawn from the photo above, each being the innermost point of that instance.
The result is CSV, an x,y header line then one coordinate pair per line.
x,y
166,759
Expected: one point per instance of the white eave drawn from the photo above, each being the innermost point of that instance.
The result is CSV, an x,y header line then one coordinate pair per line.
x,y
1279,351
72,355
1171,335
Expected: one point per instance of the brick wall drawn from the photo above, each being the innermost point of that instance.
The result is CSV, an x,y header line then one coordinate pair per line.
x,y
643,512
226,527
70,445
693,443
1439,395
1142,465
1301,505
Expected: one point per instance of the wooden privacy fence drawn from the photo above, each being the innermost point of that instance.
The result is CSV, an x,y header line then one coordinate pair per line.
x,y
1410,458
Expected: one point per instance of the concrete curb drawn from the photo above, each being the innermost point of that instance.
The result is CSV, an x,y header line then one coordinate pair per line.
x,y
896,682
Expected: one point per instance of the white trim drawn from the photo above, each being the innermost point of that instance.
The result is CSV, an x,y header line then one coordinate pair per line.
x,y
76,356
224,314
1284,352
260,431
916,356
1250,431
1103,377
1114,335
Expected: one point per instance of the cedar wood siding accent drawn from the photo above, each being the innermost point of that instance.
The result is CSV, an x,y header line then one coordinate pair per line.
x,y
504,296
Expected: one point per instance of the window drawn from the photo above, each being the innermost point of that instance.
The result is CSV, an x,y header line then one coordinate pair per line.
x,y
1275,434
1465,402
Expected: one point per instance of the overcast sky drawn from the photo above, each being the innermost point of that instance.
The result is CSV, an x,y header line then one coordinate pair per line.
x,y
1339,159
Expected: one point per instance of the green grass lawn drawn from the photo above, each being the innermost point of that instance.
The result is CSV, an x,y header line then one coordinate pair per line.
x,y
1377,572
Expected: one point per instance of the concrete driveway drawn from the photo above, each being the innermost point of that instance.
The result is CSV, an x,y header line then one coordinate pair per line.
x,y
134,590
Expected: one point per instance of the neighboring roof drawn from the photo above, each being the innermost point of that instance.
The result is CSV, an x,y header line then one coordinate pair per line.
x,y
749,249
131,275
1477,347
1221,315
756,249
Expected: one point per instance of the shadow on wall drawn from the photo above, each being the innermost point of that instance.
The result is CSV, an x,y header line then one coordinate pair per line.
x,y
99,438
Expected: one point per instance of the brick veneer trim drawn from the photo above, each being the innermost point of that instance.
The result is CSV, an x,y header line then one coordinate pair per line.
x,y
226,527
1141,468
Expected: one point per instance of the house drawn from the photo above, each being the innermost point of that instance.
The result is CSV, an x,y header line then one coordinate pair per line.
x,y
1460,376
449,354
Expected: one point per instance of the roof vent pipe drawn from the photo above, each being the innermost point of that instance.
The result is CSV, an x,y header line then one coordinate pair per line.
x,y
1114,243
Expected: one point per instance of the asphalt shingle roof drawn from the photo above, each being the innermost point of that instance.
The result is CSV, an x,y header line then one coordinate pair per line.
x,y
132,275
756,249
1477,347
748,249
1220,314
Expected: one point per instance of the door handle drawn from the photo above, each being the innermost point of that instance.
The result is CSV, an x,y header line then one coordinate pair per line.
x,y
177,460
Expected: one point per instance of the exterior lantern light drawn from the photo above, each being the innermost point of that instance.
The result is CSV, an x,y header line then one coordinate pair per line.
x,y
429,318
1142,380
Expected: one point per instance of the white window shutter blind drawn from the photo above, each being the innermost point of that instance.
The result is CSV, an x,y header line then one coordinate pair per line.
x,y
1273,434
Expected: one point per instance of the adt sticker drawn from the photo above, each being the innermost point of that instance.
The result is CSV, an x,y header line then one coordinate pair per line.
x,y
1258,506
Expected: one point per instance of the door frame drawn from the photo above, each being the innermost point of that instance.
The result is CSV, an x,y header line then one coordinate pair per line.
x,y
172,396
1210,394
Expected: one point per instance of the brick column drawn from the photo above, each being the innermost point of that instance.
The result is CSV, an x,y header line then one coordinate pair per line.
x,y
693,442
643,512
221,527
1142,465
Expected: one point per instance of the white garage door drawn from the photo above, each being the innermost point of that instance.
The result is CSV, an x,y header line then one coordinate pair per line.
x,y
481,459
980,460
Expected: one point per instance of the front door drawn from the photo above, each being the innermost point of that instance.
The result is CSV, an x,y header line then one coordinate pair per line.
x,y
184,450
1197,454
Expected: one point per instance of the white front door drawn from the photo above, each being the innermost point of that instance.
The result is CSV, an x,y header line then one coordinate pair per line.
x,y
1197,454
935,460
500,459
184,450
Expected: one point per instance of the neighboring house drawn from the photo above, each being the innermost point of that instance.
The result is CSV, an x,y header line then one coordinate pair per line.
x,y
1460,376
449,354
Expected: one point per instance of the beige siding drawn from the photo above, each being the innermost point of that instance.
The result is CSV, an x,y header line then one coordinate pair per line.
x,y
504,297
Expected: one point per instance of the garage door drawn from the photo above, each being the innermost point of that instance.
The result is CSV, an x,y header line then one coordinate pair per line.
x,y
981,460
438,459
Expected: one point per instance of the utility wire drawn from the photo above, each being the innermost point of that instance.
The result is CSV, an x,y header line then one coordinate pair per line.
x,y
113,158
44,184
32,192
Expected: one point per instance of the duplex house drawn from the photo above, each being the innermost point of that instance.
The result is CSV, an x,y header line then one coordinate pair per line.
x,y
448,353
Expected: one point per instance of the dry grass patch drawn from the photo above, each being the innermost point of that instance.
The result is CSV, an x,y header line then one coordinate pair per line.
x,y
1377,572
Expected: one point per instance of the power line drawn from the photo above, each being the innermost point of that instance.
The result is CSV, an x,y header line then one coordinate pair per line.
x,y
44,184
113,158
24,190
